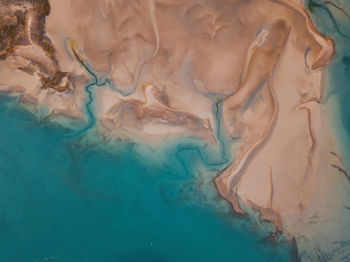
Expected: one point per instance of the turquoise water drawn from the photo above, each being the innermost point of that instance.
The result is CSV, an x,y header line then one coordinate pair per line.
x,y
62,199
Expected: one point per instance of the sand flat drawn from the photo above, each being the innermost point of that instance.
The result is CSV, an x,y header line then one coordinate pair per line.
x,y
170,65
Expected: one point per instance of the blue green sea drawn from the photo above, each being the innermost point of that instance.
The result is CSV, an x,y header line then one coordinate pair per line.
x,y
68,199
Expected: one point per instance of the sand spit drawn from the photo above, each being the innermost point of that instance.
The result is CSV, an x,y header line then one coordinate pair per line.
x,y
170,63
289,91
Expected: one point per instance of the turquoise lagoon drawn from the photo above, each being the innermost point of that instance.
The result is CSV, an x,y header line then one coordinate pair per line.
x,y
75,199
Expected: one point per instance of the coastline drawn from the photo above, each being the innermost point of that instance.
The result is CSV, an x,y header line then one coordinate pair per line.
x,y
129,211
279,136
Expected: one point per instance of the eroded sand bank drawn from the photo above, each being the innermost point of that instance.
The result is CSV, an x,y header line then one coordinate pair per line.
x,y
170,63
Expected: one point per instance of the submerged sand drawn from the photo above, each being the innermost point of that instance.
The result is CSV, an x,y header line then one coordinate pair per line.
x,y
171,63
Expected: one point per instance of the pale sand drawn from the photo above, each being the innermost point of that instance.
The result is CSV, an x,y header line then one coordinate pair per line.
x,y
171,61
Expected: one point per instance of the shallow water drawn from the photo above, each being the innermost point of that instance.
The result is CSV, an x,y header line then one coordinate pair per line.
x,y
65,200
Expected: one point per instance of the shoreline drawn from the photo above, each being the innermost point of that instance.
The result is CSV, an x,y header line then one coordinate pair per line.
x,y
260,104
